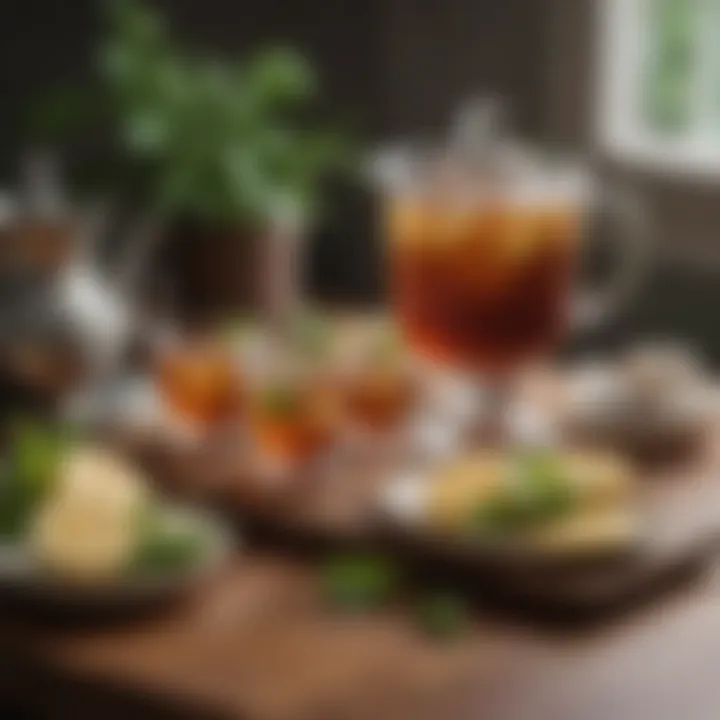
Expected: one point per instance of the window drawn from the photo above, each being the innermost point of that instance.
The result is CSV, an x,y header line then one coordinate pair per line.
x,y
659,101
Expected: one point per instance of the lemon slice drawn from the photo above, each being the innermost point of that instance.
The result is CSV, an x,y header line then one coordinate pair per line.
x,y
79,540
87,529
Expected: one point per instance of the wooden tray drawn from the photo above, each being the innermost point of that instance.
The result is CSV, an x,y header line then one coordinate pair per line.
x,y
680,506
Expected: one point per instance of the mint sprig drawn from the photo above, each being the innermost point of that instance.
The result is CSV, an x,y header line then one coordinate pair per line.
x,y
443,615
359,583
537,493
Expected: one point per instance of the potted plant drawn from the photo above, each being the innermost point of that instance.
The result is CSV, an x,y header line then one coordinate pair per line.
x,y
228,153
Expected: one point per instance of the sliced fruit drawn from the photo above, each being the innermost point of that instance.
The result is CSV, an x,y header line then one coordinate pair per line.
x,y
77,539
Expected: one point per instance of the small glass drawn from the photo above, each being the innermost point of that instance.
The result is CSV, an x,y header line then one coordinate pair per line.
x,y
200,379
377,379
379,398
294,416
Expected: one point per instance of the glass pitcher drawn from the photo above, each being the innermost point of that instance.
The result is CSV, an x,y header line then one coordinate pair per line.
x,y
484,237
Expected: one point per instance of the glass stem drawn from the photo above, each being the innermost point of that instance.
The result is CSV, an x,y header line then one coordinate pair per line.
x,y
491,426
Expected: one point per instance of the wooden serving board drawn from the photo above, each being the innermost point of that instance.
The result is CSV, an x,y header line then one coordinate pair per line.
x,y
679,506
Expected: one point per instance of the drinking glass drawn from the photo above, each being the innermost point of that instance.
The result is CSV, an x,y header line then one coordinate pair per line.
x,y
200,380
293,412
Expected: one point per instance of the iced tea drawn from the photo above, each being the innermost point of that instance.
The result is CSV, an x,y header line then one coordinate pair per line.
x,y
200,381
380,397
293,421
485,287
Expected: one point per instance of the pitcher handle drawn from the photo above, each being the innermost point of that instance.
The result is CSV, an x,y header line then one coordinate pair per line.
x,y
630,233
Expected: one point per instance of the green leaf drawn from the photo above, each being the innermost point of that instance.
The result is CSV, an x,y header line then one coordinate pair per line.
x,y
359,583
37,452
537,493
547,490
281,401
136,23
312,333
147,132
249,187
165,544
224,141
443,615
15,506
280,77
34,458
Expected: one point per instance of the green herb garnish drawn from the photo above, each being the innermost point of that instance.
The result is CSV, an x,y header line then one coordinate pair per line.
x,y
538,493
36,451
311,333
548,491
166,545
281,401
360,583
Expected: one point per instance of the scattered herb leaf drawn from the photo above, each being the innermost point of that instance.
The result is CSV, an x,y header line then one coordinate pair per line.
x,y
35,454
443,615
359,583
281,401
166,546
311,333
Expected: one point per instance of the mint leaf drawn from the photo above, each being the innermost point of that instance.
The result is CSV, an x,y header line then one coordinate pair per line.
x,y
547,492
34,459
537,493
443,615
360,583
281,401
312,333
166,546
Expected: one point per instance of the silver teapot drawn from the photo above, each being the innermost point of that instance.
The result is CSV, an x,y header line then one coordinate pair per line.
x,y
68,313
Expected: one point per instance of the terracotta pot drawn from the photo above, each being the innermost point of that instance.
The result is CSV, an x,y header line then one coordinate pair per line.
x,y
217,273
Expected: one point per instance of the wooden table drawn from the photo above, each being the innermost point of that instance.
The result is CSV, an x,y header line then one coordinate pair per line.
x,y
257,643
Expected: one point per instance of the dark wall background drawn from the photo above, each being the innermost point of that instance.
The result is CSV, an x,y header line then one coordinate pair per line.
x,y
397,67
389,66
393,65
